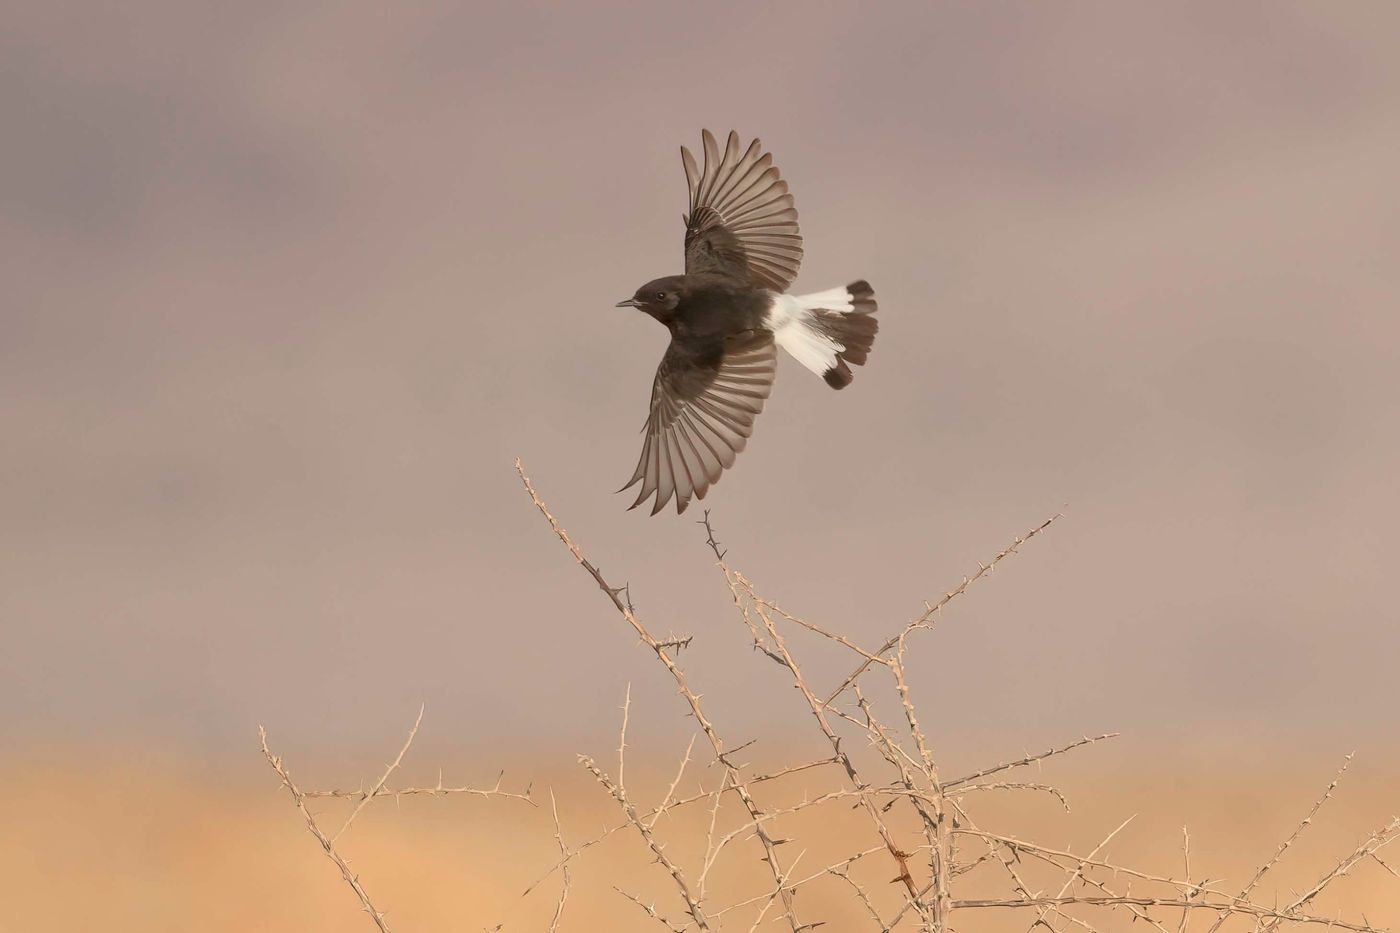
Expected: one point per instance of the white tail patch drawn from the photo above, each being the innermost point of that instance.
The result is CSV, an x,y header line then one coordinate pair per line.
x,y
796,329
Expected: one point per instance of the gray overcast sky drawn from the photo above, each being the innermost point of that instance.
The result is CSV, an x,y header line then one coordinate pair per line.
x,y
288,289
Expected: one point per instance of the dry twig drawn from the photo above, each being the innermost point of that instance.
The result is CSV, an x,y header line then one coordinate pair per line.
x,y
564,851
909,797
327,845
692,699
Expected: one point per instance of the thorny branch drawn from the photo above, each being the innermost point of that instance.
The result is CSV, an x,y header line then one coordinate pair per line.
x,y
911,796
931,611
299,798
314,828
917,781
770,855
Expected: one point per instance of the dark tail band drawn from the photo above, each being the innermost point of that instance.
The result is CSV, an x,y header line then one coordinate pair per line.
x,y
853,330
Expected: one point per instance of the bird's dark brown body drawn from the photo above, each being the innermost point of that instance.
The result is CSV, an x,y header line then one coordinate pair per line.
x,y
728,314
704,305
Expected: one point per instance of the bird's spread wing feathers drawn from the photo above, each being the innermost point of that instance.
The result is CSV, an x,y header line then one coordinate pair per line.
x,y
742,222
703,406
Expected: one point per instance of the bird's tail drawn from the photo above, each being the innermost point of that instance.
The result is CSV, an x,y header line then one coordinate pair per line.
x,y
826,331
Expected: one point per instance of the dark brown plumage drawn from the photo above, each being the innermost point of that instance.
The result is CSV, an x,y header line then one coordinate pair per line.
x,y
727,314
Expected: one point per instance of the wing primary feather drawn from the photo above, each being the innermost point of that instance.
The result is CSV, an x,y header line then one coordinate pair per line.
x,y
751,187
780,210
645,465
673,441
710,461
740,171
729,171
728,163
705,431
727,419
652,475
711,475
666,476
692,176
707,177
758,192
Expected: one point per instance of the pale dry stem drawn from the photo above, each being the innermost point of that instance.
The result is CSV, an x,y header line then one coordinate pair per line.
x,y
1292,838
563,851
940,806
692,699
393,765
930,611
314,828
362,799
692,904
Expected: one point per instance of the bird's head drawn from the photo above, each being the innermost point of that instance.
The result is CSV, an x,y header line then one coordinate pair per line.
x,y
659,297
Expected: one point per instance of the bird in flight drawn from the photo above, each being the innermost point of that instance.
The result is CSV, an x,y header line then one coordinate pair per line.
x,y
727,316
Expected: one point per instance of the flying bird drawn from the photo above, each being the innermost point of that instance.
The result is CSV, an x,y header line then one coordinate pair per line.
x,y
727,316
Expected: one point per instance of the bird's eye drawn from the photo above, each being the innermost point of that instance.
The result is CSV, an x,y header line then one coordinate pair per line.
x,y
660,296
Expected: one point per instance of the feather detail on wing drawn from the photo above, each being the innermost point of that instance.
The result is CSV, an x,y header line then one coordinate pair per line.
x,y
741,222
703,407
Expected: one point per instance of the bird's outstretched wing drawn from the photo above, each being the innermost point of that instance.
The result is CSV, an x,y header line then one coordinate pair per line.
x,y
741,222
703,405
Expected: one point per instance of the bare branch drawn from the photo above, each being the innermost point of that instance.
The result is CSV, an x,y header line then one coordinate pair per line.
x,y
1292,838
1016,785
1030,759
650,910
1079,869
666,801
685,801
1246,909
692,699
911,797
622,737
398,759
437,790
563,851
692,905
780,653
930,611
1374,843
1021,845
1186,872
327,845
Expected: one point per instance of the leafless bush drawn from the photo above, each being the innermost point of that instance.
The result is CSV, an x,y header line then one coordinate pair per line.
x,y
922,837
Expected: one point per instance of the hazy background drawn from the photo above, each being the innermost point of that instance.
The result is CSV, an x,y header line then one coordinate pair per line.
x,y
286,289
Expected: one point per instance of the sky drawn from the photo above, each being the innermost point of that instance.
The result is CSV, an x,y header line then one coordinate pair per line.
x,y
289,287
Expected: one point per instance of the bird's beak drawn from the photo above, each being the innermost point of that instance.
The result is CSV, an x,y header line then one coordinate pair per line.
x,y
629,303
